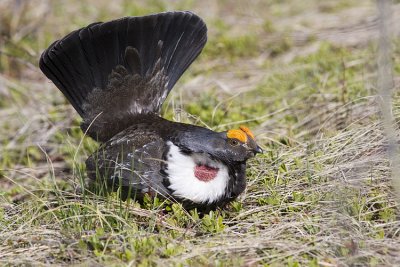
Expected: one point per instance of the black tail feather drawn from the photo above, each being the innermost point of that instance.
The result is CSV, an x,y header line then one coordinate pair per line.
x,y
154,50
132,58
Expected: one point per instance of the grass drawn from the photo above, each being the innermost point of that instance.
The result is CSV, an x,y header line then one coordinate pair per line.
x,y
321,195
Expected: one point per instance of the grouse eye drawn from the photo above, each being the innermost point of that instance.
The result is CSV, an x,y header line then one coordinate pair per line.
x,y
233,142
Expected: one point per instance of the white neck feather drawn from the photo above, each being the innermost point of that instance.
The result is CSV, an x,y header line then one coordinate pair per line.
x,y
184,183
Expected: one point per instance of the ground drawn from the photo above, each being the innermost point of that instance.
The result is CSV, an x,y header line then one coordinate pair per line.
x,y
301,74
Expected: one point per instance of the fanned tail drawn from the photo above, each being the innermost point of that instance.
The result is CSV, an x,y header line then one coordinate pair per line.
x,y
112,71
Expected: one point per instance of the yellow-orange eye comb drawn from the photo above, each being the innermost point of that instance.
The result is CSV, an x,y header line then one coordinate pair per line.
x,y
247,131
238,134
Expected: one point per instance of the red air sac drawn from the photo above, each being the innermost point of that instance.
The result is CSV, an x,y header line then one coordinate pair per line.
x,y
205,173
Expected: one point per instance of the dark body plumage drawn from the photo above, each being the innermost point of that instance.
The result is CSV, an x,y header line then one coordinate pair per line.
x,y
117,75
143,148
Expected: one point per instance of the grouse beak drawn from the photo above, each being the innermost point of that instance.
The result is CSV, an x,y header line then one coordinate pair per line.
x,y
258,150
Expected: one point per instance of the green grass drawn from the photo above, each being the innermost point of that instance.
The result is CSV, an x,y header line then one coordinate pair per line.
x,y
320,195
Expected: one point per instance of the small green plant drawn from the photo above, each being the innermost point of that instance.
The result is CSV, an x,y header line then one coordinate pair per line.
x,y
212,222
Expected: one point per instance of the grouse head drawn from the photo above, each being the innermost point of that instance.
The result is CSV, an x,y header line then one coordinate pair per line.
x,y
242,144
